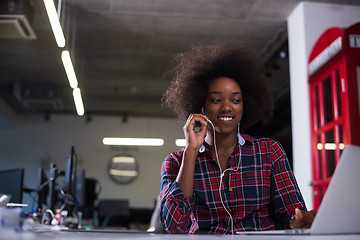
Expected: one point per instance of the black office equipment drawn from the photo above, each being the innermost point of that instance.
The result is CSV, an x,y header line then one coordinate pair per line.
x,y
114,213
69,194
12,184
70,173
80,186
66,191
42,189
92,190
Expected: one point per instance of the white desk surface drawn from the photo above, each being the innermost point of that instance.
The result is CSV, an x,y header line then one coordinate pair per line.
x,y
11,235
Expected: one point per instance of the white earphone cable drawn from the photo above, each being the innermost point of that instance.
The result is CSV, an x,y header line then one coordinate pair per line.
x,y
222,175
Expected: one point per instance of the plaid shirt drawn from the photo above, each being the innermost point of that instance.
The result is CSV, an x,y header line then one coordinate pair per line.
x,y
263,191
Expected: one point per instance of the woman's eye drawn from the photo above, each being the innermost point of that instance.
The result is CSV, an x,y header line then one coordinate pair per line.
x,y
216,100
236,100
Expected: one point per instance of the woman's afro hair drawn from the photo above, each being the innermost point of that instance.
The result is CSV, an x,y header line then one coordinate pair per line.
x,y
194,70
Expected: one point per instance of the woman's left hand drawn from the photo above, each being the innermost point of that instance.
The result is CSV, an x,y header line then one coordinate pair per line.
x,y
302,219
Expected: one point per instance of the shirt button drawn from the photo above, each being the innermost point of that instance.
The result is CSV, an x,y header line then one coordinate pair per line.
x,y
230,189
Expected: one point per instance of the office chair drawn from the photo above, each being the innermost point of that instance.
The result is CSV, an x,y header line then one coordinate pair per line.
x,y
155,224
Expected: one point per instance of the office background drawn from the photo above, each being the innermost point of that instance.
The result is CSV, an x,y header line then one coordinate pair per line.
x,y
34,140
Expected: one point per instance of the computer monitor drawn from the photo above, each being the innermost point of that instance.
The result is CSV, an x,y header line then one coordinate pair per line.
x,y
70,173
74,179
72,191
12,184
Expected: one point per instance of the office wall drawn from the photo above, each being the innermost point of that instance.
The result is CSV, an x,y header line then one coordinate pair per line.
x,y
305,25
31,142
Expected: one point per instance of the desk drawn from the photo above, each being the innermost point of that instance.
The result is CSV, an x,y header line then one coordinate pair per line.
x,y
86,235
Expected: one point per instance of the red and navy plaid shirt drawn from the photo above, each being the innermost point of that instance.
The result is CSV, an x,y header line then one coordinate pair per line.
x,y
263,191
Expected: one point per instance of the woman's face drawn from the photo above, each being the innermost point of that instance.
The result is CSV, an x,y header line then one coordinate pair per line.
x,y
224,104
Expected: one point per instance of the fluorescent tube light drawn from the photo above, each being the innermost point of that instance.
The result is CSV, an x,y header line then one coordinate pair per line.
x,y
180,142
124,173
69,69
78,101
55,23
123,160
133,141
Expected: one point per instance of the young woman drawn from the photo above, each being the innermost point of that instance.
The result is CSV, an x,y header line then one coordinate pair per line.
x,y
224,181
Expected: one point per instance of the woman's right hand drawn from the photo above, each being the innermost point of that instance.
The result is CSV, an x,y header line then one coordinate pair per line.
x,y
194,140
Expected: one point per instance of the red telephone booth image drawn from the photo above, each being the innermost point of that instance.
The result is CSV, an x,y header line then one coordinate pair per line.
x,y
334,84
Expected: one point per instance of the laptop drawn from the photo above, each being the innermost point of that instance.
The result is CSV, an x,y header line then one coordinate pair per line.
x,y
339,210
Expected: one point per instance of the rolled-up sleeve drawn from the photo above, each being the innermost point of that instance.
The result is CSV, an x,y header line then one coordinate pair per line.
x,y
176,211
286,195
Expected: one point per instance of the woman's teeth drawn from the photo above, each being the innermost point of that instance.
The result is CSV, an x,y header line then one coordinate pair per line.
x,y
225,118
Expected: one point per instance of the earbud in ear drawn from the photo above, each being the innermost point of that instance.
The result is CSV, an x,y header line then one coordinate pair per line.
x,y
203,112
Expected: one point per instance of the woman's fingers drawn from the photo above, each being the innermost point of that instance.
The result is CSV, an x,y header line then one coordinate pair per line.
x,y
193,119
195,138
303,219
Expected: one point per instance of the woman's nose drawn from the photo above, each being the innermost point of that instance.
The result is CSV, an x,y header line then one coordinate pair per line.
x,y
226,106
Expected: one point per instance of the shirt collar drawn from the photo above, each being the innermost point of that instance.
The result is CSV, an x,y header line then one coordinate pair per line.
x,y
241,141
248,139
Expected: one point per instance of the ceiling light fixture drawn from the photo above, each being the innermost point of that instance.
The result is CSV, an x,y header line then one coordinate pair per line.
x,y
65,55
133,141
180,142
78,102
55,23
70,72
69,69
